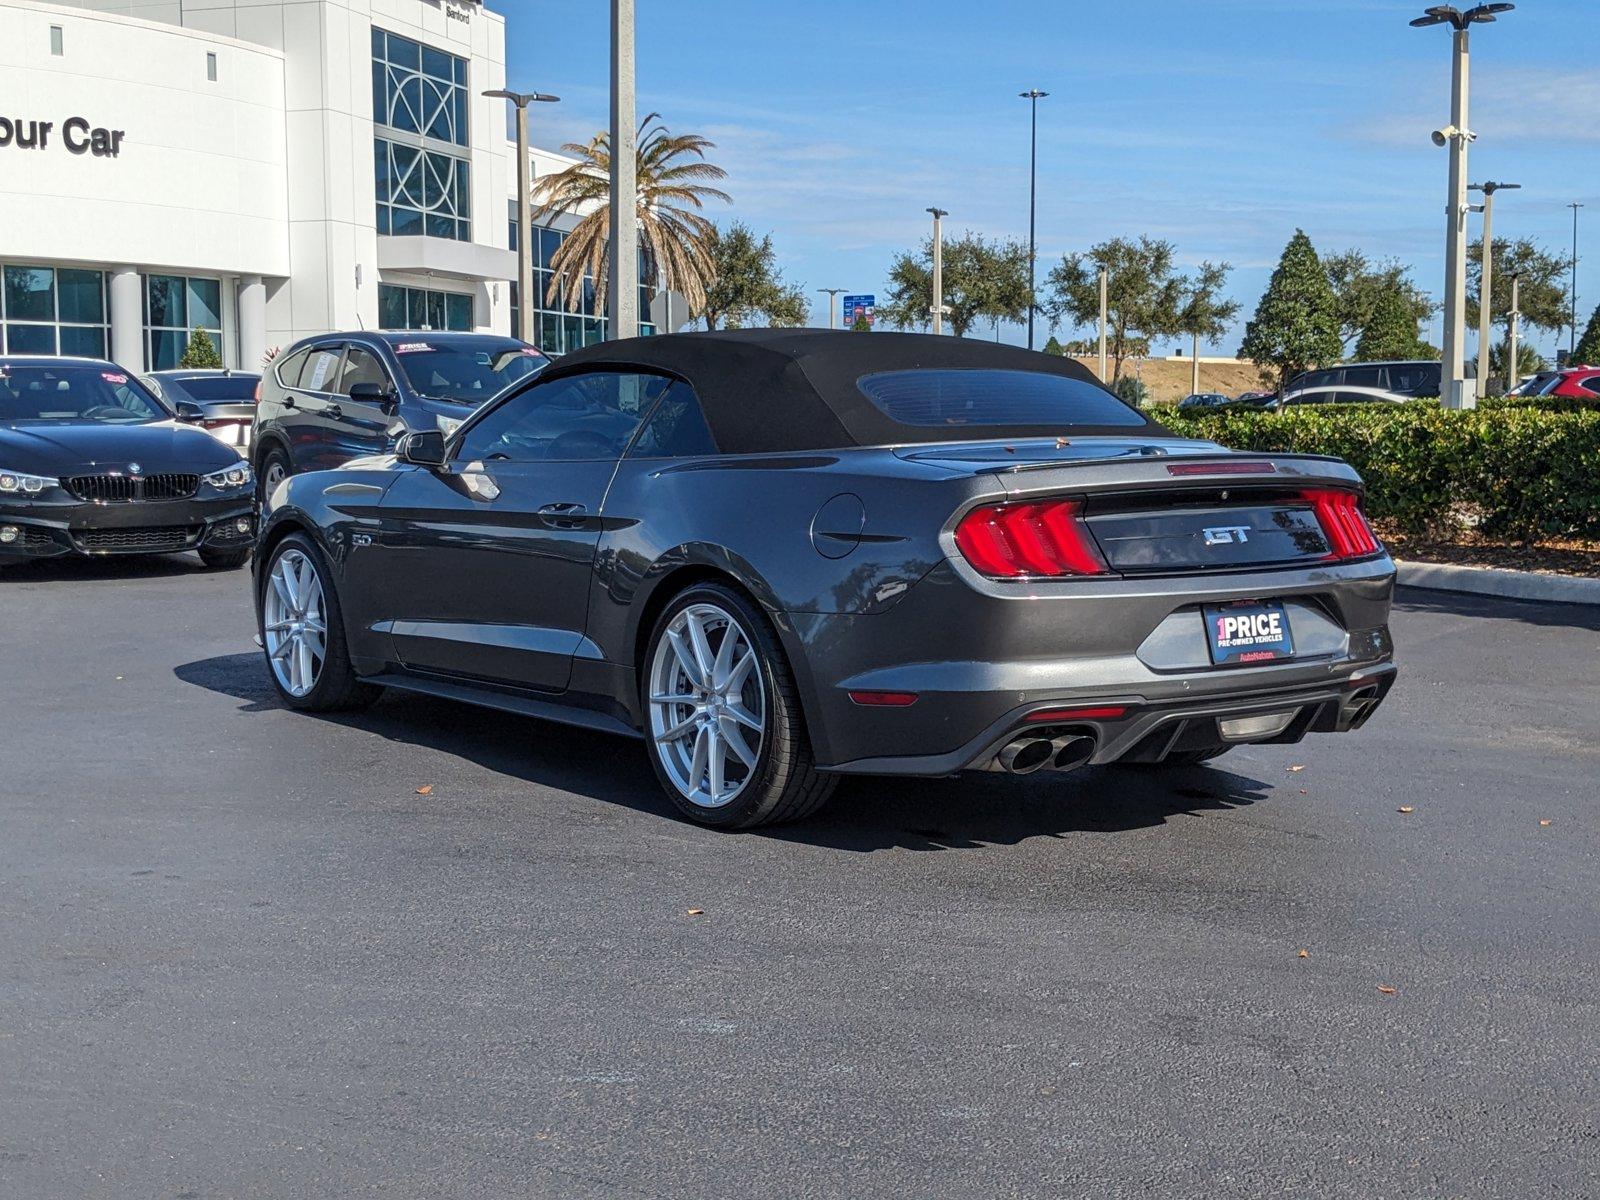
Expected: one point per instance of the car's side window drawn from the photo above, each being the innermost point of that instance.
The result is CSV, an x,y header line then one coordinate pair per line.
x,y
588,416
289,370
1592,384
1363,377
676,429
361,366
322,369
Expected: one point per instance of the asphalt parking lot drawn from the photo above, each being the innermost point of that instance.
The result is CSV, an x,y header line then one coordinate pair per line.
x,y
433,951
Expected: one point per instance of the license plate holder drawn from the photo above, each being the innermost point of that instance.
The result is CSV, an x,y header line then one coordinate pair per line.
x,y
1248,632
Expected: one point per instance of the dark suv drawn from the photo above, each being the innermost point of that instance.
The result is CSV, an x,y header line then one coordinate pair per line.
x,y
339,396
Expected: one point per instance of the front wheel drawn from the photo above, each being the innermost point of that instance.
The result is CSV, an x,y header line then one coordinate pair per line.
x,y
723,722
302,632
274,470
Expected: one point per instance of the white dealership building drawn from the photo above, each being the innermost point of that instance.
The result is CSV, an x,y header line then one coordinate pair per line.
x,y
261,169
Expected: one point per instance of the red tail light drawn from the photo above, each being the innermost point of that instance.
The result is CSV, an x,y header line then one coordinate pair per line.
x,y
1343,522
1010,541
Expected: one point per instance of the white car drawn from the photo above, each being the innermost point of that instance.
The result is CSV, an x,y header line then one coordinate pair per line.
x,y
1363,383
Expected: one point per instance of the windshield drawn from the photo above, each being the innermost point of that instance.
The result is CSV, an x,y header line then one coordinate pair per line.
x,y
932,397
74,392
466,372
212,388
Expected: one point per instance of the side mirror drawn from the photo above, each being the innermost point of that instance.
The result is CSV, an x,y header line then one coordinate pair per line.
x,y
422,448
379,394
189,411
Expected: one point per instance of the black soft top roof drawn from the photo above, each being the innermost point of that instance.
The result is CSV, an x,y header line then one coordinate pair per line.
x,y
777,390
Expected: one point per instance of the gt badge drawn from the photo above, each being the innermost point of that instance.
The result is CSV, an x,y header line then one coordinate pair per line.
x,y
1225,535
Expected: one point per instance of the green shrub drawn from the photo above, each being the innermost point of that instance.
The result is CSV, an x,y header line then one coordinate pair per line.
x,y
1131,390
1514,471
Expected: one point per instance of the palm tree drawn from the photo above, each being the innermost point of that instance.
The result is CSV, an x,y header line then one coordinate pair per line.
x,y
675,239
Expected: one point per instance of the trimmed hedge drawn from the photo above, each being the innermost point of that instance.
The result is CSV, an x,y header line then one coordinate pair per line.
x,y
1510,470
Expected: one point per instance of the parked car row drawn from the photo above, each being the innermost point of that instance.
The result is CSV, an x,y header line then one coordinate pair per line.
x,y
1355,383
95,460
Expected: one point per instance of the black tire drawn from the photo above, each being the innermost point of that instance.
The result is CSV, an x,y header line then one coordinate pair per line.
x,y
274,466
337,688
1183,758
783,784
225,560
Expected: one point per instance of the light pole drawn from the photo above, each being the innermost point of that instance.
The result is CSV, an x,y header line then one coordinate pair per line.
x,y
1513,373
623,285
1457,135
938,269
833,301
1572,346
1032,96
1486,277
525,301
1105,277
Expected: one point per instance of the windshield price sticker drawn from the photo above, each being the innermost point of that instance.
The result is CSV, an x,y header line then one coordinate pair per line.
x,y
110,377
412,348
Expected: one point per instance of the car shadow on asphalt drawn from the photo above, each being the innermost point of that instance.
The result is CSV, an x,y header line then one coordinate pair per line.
x,y
865,814
1531,612
111,569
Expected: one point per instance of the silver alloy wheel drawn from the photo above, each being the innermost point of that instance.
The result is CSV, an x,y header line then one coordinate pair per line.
x,y
708,705
293,623
275,474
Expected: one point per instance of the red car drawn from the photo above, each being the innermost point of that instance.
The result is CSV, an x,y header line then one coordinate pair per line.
x,y
1578,383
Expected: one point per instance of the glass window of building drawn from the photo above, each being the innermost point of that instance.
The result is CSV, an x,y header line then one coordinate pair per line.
x,y
174,307
556,331
53,310
420,103
423,308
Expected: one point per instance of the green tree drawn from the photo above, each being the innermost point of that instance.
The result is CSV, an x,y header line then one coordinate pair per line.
x,y
200,353
747,285
1541,287
861,324
675,239
1588,351
1203,313
1143,294
1359,285
1296,325
1053,346
982,278
1391,331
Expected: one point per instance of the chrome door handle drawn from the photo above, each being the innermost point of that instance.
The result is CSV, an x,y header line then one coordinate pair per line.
x,y
333,412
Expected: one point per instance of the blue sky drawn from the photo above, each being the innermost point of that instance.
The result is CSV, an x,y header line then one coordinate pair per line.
x,y
1219,125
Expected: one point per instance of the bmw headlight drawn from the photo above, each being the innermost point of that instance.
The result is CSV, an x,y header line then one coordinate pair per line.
x,y
229,478
20,483
448,425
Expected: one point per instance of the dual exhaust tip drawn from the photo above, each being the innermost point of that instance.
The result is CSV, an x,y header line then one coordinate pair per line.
x,y
1025,755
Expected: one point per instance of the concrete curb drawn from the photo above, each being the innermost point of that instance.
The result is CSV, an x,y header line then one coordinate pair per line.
x,y
1490,581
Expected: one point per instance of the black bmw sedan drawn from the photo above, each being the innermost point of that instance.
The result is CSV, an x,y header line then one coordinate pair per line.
x,y
782,556
92,463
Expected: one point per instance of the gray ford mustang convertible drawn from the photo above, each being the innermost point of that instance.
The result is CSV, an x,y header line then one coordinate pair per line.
x,y
780,556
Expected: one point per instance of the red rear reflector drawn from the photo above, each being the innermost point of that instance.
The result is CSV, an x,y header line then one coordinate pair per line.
x,y
1076,714
1339,513
884,699
1221,468
1041,538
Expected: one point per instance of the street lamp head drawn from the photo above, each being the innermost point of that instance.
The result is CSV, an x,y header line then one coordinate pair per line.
x,y
1486,12
1491,187
939,212
1439,14
521,99
1033,94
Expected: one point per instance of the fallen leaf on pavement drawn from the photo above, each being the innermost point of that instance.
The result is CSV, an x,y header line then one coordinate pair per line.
x,y
1406,808
1544,820
697,912
425,790
1297,767
1303,792
1304,954
1387,991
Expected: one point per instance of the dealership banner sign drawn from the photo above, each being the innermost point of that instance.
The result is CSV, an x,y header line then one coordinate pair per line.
x,y
77,134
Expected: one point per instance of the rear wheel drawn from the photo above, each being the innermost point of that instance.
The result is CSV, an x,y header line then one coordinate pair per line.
x,y
274,470
302,632
723,722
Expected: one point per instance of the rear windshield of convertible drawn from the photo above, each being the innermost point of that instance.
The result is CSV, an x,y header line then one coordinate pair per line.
x,y
954,398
